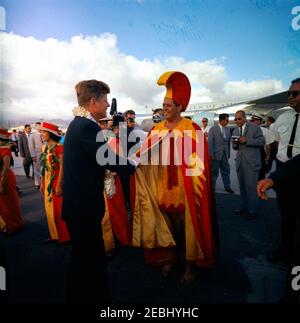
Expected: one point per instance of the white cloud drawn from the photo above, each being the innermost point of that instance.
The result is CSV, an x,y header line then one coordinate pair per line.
x,y
38,77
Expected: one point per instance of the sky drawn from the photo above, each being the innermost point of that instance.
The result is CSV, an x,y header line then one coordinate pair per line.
x,y
230,50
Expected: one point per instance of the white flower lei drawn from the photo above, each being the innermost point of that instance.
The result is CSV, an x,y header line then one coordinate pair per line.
x,y
80,112
109,184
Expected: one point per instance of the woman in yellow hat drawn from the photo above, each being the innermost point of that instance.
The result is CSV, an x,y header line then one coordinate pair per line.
x,y
11,219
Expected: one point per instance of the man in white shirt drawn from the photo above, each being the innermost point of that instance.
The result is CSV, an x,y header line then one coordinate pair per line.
x,y
35,148
287,133
14,137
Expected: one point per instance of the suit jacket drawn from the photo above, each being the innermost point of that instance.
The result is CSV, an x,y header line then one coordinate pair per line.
x,y
288,174
83,178
23,146
35,144
250,151
217,144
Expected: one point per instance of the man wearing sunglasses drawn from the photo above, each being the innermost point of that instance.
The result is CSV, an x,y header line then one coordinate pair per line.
x,y
248,138
287,133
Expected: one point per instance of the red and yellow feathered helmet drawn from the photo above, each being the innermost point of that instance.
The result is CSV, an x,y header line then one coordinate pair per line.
x,y
178,87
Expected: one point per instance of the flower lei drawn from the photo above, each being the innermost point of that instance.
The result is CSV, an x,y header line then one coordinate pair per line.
x,y
80,112
44,168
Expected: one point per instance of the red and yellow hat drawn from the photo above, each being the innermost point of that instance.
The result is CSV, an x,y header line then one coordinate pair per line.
x,y
178,87
4,134
50,127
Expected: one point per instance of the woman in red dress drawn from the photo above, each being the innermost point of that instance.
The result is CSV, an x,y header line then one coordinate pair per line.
x,y
11,219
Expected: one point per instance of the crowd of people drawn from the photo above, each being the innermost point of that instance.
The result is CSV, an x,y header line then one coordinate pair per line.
x,y
151,185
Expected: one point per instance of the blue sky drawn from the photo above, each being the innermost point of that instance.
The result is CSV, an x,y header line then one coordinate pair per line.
x,y
239,43
255,36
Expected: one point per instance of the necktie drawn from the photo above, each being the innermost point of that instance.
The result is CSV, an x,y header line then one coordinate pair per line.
x,y
241,131
291,142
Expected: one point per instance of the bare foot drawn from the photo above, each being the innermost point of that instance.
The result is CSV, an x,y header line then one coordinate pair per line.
x,y
189,275
166,270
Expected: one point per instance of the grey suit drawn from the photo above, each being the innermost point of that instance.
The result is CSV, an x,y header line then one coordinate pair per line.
x,y
248,164
25,153
219,149
35,148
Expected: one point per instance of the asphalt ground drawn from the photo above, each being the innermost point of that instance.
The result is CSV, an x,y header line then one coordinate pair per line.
x,y
36,271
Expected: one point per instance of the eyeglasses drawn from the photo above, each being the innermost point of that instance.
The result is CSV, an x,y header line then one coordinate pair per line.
x,y
294,94
204,121
238,119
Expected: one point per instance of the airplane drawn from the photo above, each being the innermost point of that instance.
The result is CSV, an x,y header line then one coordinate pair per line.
x,y
272,105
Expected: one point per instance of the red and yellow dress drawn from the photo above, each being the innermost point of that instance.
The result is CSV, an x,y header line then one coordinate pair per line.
x,y
53,203
11,219
178,189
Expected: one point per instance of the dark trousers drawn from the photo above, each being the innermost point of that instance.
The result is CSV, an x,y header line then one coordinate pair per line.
x,y
87,280
27,162
263,170
287,199
3,276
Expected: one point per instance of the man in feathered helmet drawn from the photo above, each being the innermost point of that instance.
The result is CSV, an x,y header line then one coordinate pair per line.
x,y
174,206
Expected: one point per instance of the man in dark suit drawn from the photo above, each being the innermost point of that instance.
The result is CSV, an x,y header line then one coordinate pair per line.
x,y
24,150
286,179
219,148
287,132
248,138
83,202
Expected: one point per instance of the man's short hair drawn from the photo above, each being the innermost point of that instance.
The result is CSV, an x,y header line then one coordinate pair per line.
x,y
86,90
223,116
271,119
128,112
297,80
27,125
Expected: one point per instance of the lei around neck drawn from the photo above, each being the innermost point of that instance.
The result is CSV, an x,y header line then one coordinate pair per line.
x,y
81,112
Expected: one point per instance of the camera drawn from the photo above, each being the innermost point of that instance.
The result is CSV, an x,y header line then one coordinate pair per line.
x,y
113,107
116,116
235,142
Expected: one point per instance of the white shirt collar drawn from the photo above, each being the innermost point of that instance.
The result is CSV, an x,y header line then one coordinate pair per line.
x,y
91,118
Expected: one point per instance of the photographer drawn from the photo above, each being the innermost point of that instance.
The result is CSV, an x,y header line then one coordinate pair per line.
x,y
247,138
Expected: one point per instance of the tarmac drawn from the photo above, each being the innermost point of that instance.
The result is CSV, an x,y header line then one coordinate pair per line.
x,y
36,271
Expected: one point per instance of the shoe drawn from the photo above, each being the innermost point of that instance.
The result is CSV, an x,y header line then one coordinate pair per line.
x,y
229,190
248,216
240,211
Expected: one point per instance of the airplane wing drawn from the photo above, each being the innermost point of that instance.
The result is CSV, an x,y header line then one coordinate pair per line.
x,y
268,105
